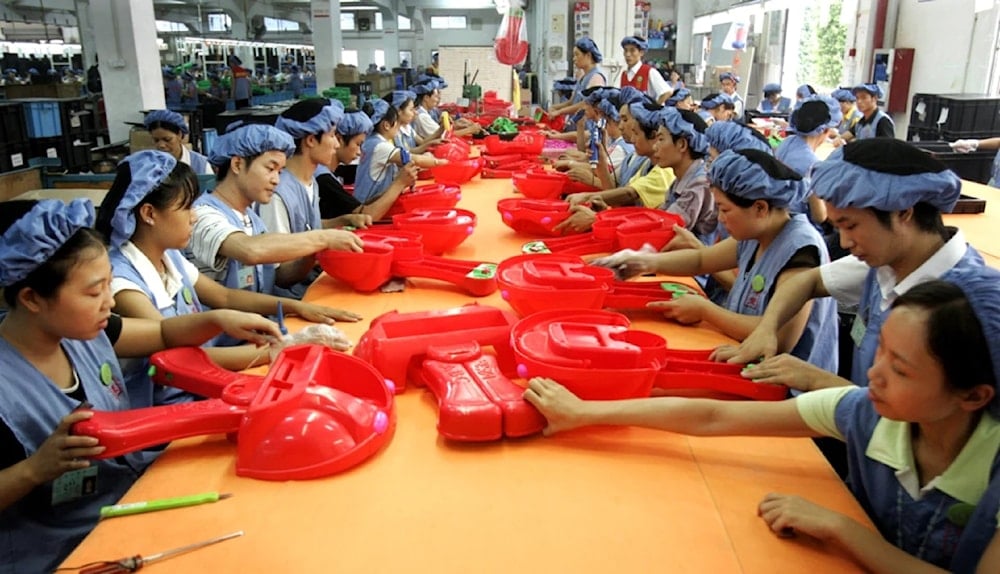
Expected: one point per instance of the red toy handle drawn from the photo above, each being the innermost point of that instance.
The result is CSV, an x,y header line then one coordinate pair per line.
x,y
728,384
122,432
454,271
190,369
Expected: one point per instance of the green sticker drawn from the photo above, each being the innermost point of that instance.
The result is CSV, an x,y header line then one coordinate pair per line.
x,y
960,513
349,228
757,283
483,271
186,293
107,375
535,247
151,371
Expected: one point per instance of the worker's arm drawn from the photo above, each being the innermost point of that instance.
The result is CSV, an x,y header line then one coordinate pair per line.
x,y
143,337
380,205
281,247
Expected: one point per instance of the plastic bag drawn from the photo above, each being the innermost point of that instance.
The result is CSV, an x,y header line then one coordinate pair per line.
x,y
511,43
315,334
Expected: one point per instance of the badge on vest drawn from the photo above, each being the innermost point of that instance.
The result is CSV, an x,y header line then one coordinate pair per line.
x,y
109,381
186,294
245,277
858,329
74,485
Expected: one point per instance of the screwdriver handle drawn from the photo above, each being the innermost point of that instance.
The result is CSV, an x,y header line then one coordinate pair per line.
x,y
130,564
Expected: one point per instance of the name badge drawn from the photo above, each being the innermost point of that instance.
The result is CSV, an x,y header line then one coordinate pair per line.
x,y
246,277
858,330
74,484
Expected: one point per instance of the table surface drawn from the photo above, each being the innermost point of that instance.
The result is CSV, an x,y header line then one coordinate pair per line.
x,y
591,500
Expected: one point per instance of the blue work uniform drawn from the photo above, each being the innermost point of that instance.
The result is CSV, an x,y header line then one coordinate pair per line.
x,y
295,84
783,107
756,281
367,188
634,164
199,163
303,215
865,130
849,121
870,316
257,278
578,96
38,531
174,93
405,141
995,174
795,152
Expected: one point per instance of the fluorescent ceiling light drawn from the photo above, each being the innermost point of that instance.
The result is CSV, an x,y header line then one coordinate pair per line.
x,y
359,9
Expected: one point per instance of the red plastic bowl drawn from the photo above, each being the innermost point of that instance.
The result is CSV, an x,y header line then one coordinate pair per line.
x,y
457,172
365,271
427,196
533,283
539,184
534,217
524,143
450,151
441,230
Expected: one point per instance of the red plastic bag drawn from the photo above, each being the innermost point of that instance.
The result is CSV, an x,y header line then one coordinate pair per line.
x,y
511,44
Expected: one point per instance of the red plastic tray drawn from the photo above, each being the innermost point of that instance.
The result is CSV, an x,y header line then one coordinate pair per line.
x,y
523,143
532,283
428,196
441,230
614,229
457,172
535,217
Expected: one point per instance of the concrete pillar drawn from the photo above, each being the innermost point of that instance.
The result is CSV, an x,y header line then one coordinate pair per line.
x,y
610,21
685,26
390,38
327,39
87,42
125,37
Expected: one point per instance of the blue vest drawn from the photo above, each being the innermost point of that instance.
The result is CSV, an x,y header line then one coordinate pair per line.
x,y
849,121
795,152
142,391
367,188
919,527
35,534
404,141
198,163
995,177
295,84
581,85
303,215
633,165
784,104
818,343
865,131
870,312
263,274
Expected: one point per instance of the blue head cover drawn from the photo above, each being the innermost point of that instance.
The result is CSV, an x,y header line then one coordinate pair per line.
x,y
609,110
753,174
564,85
843,95
715,100
734,136
816,115
630,95
148,170
675,123
587,46
38,234
804,91
425,87
250,141
354,123
321,123
678,97
398,97
981,286
166,117
872,89
637,41
729,76
439,82
886,174
598,94
772,88
379,109
648,120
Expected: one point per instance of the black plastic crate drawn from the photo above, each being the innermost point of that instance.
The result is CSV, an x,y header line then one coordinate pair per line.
x,y
72,152
359,89
77,116
13,156
922,134
926,116
967,113
12,127
975,166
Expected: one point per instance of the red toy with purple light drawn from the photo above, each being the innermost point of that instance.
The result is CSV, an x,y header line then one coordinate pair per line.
x,y
614,229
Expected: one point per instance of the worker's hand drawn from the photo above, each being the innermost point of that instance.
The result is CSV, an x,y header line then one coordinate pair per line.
x,y
685,309
562,409
340,240
575,199
407,175
760,344
786,370
323,335
838,142
581,219
63,452
581,173
790,515
965,146
683,239
628,263
319,313
249,327
356,220
575,155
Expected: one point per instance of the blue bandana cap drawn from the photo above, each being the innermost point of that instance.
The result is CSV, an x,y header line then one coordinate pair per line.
x,y
846,184
587,46
872,89
716,101
148,170
354,123
804,91
630,95
738,175
677,97
729,76
234,60
772,88
398,97
637,41
250,141
649,120
321,123
600,94
425,87
564,85
843,95
816,115
675,123
38,234
734,136
981,286
166,117
609,110
379,109
438,80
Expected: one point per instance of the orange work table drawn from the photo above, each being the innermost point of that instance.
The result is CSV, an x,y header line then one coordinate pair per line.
x,y
593,500
980,229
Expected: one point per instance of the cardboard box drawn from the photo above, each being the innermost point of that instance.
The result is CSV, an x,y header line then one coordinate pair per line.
x,y
381,83
57,91
346,74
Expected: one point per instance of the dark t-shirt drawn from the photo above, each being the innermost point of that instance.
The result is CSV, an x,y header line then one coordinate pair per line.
x,y
884,128
334,201
11,450
805,258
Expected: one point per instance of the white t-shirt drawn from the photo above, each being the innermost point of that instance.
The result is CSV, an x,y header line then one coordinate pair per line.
x,y
186,158
407,131
656,87
275,213
380,157
424,124
164,288
210,231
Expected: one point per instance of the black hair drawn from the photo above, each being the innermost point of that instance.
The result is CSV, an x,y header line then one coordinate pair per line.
x,y
303,111
954,333
169,126
771,166
699,125
926,217
741,201
647,132
48,277
391,115
587,91
179,188
810,115
889,155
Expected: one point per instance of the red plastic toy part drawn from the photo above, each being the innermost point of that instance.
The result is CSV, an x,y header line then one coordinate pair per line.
x,y
441,230
396,342
525,143
537,217
429,196
613,229
317,412
393,253
457,172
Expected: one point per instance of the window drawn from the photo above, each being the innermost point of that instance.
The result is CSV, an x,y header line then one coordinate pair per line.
x,y
165,26
378,20
379,58
447,22
404,23
349,57
347,20
279,25
219,23
405,56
